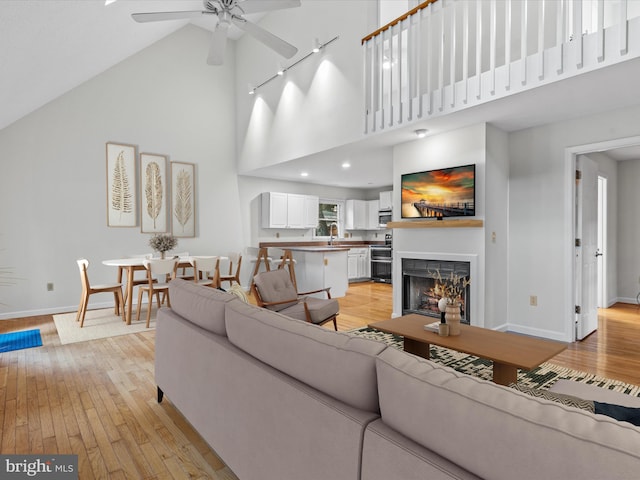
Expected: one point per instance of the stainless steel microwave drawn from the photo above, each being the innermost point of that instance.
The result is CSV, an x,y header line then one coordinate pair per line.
x,y
384,217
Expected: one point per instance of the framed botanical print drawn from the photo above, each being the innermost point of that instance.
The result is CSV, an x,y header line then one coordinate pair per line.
x,y
153,193
122,209
183,205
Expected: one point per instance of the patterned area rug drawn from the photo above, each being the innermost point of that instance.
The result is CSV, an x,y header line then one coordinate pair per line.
x,y
542,377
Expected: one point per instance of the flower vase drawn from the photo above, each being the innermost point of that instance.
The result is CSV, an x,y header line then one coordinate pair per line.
x,y
162,255
452,316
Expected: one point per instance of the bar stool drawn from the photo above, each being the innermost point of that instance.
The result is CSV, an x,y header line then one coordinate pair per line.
x,y
262,257
287,260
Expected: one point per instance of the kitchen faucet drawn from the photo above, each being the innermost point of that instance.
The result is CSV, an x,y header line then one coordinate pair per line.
x,y
334,224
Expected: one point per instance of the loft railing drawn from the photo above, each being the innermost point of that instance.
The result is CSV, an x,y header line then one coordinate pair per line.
x,y
445,55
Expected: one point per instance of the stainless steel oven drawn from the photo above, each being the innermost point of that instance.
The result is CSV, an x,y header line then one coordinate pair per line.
x,y
381,261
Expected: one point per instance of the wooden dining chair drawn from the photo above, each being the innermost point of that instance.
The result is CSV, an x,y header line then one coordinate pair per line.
x,y
235,259
88,290
206,270
159,272
182,270
136,281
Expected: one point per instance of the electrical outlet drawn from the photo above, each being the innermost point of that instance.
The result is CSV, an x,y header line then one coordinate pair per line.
x,y
533,300
50,287
493,237
277,234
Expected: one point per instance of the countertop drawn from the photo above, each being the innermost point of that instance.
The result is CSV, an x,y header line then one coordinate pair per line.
x,y
320,248
346,244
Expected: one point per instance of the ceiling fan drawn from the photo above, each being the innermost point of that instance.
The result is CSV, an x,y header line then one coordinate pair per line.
x,y
230,12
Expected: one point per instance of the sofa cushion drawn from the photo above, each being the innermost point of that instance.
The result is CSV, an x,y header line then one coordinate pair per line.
x,y
276,286
339,364
203,306
319,309
494,431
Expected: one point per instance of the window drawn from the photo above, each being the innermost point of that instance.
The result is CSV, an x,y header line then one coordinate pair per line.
x,y
329,212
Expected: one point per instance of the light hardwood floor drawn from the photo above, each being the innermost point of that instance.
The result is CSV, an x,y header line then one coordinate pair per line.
x,y
97,399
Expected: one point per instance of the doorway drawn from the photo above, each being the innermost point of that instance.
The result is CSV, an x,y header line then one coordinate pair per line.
x,y
608,278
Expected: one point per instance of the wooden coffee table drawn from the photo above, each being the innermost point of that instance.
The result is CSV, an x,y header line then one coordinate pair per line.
x,y
507,351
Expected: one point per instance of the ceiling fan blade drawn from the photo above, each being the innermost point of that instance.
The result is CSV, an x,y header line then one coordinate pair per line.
x,y
160,16
255,6
218,44
269,39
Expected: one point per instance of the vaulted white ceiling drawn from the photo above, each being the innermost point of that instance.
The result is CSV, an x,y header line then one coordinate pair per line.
x,y
48,47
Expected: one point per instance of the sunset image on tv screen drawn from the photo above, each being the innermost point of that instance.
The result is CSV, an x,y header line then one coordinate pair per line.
x,y
448,192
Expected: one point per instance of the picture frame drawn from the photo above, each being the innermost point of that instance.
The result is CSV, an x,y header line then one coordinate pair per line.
x,y
122,199
154,193
183,195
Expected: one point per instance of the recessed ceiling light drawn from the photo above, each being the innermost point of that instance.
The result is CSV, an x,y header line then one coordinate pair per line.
x,y
346,165
304,174
421,132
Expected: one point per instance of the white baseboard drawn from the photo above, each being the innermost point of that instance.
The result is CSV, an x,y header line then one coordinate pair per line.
x,y
56,310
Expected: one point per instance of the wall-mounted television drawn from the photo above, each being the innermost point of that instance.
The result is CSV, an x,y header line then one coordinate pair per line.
x,y
445,192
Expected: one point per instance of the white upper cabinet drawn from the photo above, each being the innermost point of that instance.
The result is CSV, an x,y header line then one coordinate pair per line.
x,y
373,223
361,215
311,206
289,210
386,200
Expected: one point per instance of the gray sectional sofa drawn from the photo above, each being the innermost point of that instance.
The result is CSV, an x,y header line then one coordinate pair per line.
x,y
282,399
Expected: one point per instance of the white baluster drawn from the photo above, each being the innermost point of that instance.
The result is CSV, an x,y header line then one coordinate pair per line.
x,y
624,27
479,48
523,40
492,47
560,33
600,55
465,53
541,11
507,44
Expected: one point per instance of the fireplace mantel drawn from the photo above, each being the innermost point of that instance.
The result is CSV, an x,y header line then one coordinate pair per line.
x,y
446,223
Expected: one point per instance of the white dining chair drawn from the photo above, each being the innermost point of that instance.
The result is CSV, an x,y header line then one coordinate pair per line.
x,y
235,262
159,273
206,270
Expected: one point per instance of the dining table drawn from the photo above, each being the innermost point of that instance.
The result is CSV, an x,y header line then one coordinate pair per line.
x,y
131,265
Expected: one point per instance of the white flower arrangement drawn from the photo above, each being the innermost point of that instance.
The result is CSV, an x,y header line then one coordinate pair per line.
x,y
163,242
451,287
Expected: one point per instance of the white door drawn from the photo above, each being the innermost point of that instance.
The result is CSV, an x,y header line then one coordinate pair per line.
x,y
602,243
586,247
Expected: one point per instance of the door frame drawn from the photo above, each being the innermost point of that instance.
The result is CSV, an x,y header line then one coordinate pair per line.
x,y
570,234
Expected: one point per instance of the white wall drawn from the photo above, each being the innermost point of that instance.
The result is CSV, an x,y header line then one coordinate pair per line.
x,y
166,100
628,197
540,218
318,104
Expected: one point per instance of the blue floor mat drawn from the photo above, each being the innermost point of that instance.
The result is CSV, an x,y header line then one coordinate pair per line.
x,y
19,340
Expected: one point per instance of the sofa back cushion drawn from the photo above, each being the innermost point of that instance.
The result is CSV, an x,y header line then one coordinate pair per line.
x,y
203,306
494,431
336,363
276,286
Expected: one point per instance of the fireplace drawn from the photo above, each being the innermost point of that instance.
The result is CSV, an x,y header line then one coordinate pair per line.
x,y
419,280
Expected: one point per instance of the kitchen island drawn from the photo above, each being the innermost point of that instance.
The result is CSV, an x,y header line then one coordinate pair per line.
x,y
321,267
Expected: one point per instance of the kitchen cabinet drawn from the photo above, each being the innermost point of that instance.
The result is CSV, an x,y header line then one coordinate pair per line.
x,y
321,267
373,210
289,210
361,215
359,264
386,200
